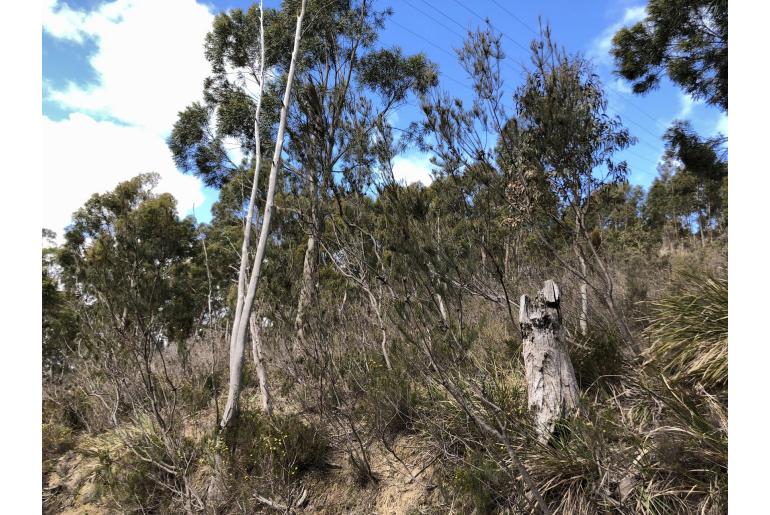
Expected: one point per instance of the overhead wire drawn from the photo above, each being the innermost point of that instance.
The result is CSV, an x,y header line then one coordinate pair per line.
x,y
641,126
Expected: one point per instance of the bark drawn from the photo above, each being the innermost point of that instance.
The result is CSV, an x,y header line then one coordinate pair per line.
x,y
256,349
239,329
631,348
552,391
583,281
442,309
309,271
307,291
583,297
383,332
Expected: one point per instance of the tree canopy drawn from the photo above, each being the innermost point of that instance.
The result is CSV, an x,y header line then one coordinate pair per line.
x,y
686,40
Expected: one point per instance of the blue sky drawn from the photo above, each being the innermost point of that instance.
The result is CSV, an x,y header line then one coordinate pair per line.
x,y
114,78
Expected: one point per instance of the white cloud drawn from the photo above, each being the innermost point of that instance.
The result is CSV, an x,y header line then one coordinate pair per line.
x,y
149,59
414,168
150,65
600,48
83,156
687,102
621,86
62,22
721,125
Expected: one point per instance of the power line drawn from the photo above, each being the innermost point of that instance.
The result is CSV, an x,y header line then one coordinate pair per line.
x,y
415,34
628,101
628,118
632,104
486,20
536,33
453,31
461,36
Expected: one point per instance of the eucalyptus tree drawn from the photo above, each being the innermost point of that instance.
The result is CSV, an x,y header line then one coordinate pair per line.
x,y
237,47
689,193
133,268
346,87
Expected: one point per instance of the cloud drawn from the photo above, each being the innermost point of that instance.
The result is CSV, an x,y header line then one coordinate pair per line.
x,y
149,58
721,125
60,21
150,65
600,47
621,86
687,102
414,168
105,154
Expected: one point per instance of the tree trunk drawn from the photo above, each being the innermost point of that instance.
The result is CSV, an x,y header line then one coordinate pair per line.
x,y
583,298
256,349
552,391
308,289
237,343
309,271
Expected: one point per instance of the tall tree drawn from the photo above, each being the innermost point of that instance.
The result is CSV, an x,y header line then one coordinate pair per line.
x,y
566,134
246,294
346,87
685,39
132,266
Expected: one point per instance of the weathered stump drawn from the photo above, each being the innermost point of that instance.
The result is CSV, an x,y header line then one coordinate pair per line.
x,y
552,391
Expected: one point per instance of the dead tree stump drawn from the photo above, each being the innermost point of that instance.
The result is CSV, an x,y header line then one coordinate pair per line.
x,y
552,390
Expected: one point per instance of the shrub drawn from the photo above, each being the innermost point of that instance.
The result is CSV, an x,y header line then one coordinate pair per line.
x,y
136,468
479,483
279,447
596,355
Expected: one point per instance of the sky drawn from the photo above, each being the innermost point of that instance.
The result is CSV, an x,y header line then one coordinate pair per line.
x,y
117,72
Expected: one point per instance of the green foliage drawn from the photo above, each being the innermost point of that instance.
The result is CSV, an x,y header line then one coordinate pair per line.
x,y
198,392
430,273
596,355
688,330
564,130
128,249
479,482
686,39
60,317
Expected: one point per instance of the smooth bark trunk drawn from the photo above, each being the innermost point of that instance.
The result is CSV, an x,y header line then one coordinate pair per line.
x,y
239,337
583,298
259,363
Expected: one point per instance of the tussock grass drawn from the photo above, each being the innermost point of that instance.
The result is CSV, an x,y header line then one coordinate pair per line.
x,y
688,330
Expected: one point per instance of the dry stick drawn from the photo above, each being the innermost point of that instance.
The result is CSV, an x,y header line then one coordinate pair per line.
x,y
236,350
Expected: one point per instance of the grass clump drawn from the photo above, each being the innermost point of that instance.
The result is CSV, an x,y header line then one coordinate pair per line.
x,y
688,330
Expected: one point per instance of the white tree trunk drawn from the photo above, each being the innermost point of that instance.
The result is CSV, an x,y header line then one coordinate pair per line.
x,y
237,344
583,297
259,363
552,391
